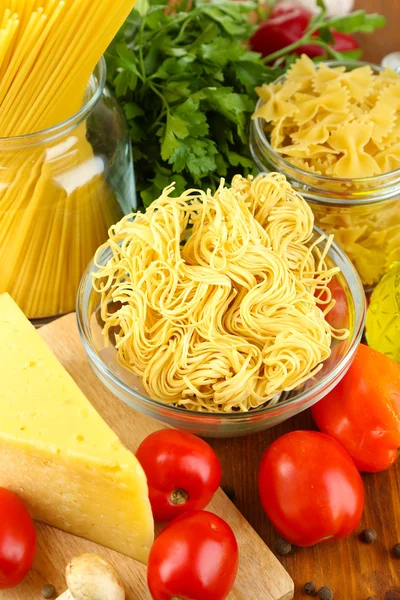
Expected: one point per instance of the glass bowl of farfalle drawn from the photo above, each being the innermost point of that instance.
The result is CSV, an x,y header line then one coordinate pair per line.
x,y
334,130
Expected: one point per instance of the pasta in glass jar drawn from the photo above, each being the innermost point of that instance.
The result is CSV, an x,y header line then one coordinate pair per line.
x,y
60,191
338,143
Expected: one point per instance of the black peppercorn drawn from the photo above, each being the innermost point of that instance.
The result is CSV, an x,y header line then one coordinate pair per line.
x,y
396,550
309,588
325,593
282,547
49,592
229,491
368,536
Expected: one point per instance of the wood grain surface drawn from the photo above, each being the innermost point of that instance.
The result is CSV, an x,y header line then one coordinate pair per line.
x,y
354,571
383,41
260,577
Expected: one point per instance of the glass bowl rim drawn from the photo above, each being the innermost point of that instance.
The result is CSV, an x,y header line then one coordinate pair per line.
x,y
357,295
312,177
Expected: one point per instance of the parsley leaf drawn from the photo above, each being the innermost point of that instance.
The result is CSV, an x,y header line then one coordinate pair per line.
x,y
358,21
174,128
186,79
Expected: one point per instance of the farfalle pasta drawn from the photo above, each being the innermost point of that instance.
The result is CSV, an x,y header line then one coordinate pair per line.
x,y
321,111
340,129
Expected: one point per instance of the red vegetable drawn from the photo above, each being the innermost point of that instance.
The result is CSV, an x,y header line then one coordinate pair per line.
x,y
338,316
194,558
286,25
183,472
17,540
310,488
363,411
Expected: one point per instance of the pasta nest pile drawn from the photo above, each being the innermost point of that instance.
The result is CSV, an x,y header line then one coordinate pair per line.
x,y
220,298
329,121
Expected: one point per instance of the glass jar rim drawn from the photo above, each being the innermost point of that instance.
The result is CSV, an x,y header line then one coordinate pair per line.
x,y
309,178
99,76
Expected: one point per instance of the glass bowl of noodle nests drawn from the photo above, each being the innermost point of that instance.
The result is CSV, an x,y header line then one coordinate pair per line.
x,y
222,313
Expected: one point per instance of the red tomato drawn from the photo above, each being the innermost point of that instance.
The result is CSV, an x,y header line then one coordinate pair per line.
x,y
194,558
363,411
310,488
17,540
183,472
286,25
339,316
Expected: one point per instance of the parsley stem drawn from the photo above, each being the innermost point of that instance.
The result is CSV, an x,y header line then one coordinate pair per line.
x,y
271,58
336,55
190,18
174,91
172,23
159,94
141,59
159,121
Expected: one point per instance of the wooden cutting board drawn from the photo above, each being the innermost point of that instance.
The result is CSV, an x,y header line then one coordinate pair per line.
x,y
261,576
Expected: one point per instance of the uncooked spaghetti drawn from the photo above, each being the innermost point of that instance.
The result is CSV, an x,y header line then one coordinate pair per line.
x,y
55,204
218,296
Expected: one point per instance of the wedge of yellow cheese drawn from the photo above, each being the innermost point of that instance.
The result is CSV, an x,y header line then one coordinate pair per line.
x,y
56,451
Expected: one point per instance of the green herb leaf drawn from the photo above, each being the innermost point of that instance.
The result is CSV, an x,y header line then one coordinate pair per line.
x,y
235,159
176,91
122,83
352,54
221,51
195,119
252,72
195,155
175,68
186,80
230,25
357,21
133,110
230,104
156,18
175,128
326,35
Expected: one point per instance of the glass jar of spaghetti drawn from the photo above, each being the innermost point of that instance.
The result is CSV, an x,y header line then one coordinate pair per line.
x,y
60,191
362,213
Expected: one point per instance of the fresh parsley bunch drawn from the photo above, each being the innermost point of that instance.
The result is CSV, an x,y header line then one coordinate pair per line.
x,y
186,82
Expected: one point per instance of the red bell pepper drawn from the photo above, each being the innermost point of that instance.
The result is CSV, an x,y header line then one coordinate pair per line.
x,y
363,411
286,25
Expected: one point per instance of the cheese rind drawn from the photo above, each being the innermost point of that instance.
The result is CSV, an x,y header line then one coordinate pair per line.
x,y
58,454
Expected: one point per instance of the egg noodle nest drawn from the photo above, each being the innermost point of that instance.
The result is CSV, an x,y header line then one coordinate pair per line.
x,y
221,298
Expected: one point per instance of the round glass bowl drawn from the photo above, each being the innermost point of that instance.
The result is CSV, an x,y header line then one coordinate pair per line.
x,y
127,386
363,214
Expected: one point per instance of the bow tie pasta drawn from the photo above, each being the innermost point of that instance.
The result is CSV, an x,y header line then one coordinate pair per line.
x,y
320,110
344,126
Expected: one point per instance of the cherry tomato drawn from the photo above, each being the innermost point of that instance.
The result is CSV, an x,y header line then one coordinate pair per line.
x,y
194,558
17,540
183,472
310,488
363,411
